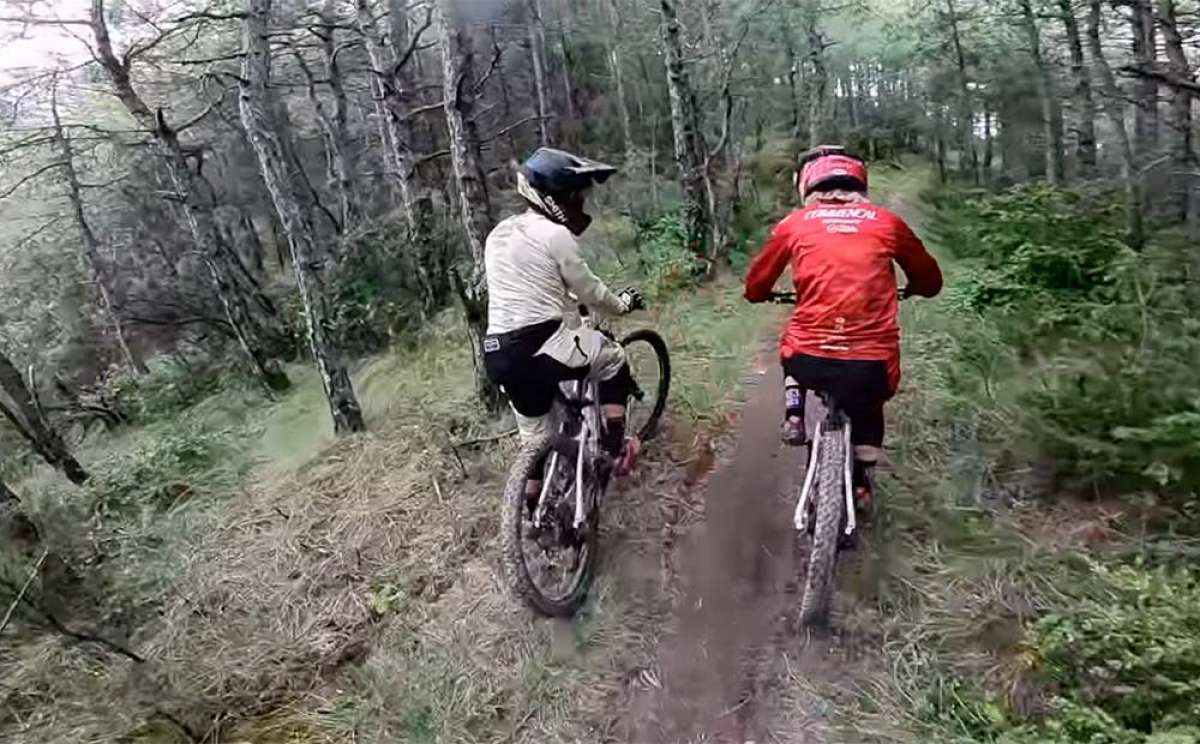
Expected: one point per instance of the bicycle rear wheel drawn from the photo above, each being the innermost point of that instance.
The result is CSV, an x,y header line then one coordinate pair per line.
x,y
548,564
831,507
650,364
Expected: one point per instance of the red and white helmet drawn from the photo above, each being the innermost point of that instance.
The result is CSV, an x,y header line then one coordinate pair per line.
x,y
830,165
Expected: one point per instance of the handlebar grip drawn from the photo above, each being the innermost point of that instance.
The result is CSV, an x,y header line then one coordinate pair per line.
x,y
583,311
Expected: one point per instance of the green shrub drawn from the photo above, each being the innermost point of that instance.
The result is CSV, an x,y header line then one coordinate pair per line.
x,y
663,257
175,383
1034,242
168,467
384,285
1131,650
1118,663
1106,335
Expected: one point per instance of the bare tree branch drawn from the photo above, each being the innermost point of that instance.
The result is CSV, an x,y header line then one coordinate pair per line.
x,y
1165,78
12,608
512,127
32,21
30,177
497,52
414,43
433,156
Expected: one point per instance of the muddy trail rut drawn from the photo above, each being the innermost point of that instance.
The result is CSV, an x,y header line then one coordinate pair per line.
x,y
735,666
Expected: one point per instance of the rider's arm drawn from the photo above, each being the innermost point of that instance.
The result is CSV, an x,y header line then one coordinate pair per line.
x,y
768,265
580,279
921,270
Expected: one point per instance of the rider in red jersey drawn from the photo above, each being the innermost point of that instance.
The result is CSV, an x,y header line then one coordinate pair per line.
x,y
844,336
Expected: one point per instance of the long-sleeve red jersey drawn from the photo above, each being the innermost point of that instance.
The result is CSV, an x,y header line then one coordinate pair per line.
x,y
841,256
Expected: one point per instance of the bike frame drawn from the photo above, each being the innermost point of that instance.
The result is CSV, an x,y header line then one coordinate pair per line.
x,y
584,394
829,416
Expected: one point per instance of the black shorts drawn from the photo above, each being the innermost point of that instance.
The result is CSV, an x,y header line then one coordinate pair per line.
x,y
531,380
860,387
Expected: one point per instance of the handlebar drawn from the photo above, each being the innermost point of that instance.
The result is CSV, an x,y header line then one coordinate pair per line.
x,y
789,298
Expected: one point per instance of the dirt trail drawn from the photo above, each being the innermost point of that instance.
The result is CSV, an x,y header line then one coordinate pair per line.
x,y
734,619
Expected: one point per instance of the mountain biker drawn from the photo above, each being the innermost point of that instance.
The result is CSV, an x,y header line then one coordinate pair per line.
x,y
844,336
534,267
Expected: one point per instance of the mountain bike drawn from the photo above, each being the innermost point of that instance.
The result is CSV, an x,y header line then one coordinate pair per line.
x,y
826,510
549,544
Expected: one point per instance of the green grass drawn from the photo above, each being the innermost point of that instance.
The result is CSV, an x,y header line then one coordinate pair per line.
x,y
1006,612
253,552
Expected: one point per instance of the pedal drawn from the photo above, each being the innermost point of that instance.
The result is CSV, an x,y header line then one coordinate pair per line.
x,y
849,542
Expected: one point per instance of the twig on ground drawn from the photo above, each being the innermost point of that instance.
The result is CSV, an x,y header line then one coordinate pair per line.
x,y
462,468
12,609
486,440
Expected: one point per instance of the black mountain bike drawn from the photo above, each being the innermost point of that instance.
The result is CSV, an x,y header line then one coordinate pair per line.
x,y
550,542
826,509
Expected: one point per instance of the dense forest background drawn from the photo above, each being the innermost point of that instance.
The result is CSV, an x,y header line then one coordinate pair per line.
x,y
228,201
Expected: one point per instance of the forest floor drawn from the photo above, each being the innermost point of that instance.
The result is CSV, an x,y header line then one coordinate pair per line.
x,y
351,591
735,664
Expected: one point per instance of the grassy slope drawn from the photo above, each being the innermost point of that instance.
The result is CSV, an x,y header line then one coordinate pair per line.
x,y
933,643
350,590
315,590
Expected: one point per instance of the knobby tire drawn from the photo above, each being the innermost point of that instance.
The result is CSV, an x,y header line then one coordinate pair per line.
x,y
650,428
831,501
512,539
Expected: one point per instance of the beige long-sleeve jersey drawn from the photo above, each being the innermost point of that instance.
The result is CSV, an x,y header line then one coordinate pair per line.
x,y
532,264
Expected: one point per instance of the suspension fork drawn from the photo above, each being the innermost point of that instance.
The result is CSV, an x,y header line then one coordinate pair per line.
x,y
587,444
800,518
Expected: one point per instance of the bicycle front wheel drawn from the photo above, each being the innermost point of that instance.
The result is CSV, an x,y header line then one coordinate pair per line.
x,y
548,563
650,364
831,507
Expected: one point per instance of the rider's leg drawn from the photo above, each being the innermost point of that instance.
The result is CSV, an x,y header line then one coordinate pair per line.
x,y
792,431
593,353
615,386
867,430
532,428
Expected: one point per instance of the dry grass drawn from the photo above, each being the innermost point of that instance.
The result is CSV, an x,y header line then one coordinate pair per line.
x,y
938,610
350,590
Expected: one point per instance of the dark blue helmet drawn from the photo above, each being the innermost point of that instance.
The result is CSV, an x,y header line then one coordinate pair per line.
x,y
553,171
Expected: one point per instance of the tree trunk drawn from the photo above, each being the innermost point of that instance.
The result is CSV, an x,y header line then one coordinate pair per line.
x,y
989,146
1115,111
260,118
570,118
91,244
1183,155
968,163
19,405
939,145
713,156
514,152
345,168
789,45
537,55
337,169
390,106
1051,108
473,199
196,210
818,84
614,63
1145,89
1085,104
685,124
258,252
